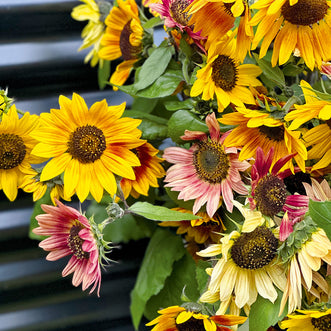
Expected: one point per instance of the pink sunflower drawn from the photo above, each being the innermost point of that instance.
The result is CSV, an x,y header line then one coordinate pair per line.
x,y
207,171
269,194
71,234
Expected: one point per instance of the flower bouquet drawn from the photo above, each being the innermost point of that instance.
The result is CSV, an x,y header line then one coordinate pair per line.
x,y
222,160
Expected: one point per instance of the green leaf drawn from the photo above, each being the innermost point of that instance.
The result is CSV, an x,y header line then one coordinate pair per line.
x,y
103,74
151,23
273,73
183,120
180,278
159,213
142,115
292,70
201,275
176,105
152,130
153,67
46,199
264,313
144,105
320,212
163,250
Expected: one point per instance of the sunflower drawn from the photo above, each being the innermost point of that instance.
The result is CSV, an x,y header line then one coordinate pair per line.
x,y
221,18
71,233
225,77
176,318
258,128
313,108
202,230
319,138
207,170
122,38
308,320
304,25
16,145
303,252
90,146
248,265
93,31
32,184
146,174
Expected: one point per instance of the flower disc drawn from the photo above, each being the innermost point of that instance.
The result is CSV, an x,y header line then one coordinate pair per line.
x,y
12,151
225,73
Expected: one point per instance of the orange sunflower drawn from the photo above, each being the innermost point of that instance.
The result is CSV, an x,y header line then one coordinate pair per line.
x,y
257,128
90,146
146,174
225,77
122,38
301,25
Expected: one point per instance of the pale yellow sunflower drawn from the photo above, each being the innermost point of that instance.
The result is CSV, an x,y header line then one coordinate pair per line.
x,y
16,145
308,320
247,268
122,38
176,318
225,77
146,174
304,25
90,146
221,16
313,108
257,128
93,31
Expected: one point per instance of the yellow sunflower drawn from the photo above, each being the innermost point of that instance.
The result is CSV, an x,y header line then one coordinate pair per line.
x,y
311,247
122,38
200,230
221,18
308,320
90,146
304,25
319,138
146,174
93,31
176,318
225,77
32,184
248,266
257,128
16,145
313,108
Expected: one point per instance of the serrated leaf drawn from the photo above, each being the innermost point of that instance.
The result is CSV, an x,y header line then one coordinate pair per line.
x,y
46,199
159,213
264,313
163,250
183,120
153,67
320,212
103,74
170,295
273,73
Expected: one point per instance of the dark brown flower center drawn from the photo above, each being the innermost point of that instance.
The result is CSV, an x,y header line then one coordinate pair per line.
x,y
75,243
86,144
224,72
328,123
254,250
211,162
273,133
128,51
192,324
322,323
305,12
270,195
177,8
12,151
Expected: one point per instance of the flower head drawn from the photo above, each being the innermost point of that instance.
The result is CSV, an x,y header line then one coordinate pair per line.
x,y
176,318
224,77
5,102
90,146
71,233
122,38
16,145
207,171
298,24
